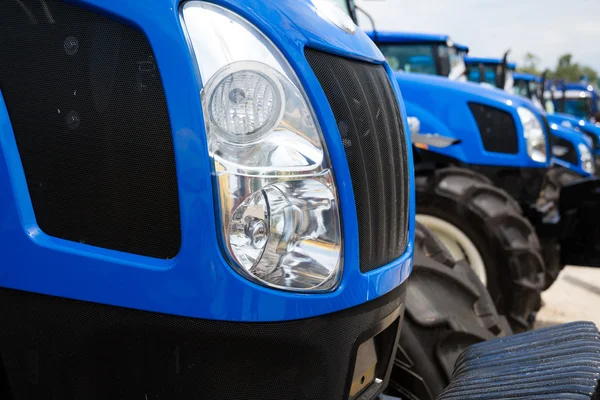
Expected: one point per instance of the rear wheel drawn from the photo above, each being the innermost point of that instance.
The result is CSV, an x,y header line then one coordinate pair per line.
x,y
447,310
485,226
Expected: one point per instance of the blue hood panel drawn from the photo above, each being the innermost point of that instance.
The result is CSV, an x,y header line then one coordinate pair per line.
x,y
442,107
300,25
198,282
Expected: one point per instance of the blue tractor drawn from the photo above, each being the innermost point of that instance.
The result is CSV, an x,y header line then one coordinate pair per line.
x,y
491,71
195,205
532,86
578,99
485,139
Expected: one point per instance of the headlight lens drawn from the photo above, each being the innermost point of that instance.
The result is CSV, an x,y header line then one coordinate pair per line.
x,y
587,161
278,203
534,135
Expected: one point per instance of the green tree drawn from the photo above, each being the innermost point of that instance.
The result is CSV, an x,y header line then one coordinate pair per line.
x,y
571,71
530,64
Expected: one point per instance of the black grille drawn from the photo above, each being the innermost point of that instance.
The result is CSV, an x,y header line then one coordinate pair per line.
x,y
368,118
567,149
60,349
87,107
497,129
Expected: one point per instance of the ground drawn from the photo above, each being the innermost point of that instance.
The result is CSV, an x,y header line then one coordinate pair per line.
x,y
575,296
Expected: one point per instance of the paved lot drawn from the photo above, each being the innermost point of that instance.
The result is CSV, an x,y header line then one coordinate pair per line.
x,y
574,296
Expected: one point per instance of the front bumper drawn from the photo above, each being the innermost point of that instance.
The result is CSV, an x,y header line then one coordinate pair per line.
x,y
57,348
523,184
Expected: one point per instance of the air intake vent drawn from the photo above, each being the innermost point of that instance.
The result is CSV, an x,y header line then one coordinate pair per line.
x,y
366,110
497,129
564,150
87,107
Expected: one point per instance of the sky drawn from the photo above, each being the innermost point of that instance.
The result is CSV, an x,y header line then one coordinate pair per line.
x,y
547,28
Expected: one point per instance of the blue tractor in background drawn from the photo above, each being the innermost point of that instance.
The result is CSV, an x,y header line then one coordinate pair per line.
x,y
196,206
483,139
491,71
578,99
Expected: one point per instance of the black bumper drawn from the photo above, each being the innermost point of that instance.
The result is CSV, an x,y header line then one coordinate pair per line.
x,y
523,184
54,348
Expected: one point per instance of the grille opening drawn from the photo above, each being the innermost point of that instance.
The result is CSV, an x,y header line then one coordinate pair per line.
x,y
368,118
570,155
497,129
87,107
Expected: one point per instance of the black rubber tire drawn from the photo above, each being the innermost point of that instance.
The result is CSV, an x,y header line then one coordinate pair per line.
x,y
447,310
494,222
556,178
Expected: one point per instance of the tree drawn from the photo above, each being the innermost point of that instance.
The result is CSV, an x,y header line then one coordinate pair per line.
x,y
530,64
571,71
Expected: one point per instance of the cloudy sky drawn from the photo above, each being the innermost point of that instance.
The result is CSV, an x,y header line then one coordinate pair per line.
x,y
547,28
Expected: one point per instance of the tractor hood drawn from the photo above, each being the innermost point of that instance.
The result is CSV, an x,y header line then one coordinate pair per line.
x,y
571,149
450,108
591,131
310,26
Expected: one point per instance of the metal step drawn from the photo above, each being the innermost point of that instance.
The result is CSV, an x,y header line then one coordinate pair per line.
x,y
560,362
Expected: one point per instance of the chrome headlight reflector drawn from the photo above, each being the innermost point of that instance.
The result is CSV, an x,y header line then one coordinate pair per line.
x,y
534,135
277,201
585,156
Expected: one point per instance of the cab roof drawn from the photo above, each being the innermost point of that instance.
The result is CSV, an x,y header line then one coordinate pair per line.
x,y
488,60
526,77
461,47
407,37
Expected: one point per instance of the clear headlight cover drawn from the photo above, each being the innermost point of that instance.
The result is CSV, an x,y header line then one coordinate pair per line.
x,y
585,156
534,135
277,200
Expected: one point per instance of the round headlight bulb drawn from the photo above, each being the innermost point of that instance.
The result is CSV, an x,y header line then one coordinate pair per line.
x,y
245,104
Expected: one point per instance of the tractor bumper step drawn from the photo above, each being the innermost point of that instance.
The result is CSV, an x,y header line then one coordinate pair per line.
x,y
560,362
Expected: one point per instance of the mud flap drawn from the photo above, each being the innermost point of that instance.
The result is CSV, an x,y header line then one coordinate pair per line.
x,y
580,223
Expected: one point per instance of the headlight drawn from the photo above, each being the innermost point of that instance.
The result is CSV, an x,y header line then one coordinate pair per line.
x,y
534,135
277,200
587,161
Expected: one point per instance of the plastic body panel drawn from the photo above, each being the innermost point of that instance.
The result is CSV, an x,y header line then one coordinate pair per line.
x,y
575,138
488,61
198,282
590,129
406,37
441,105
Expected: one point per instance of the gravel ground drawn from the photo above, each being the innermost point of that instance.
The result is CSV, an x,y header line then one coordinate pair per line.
x,y
575,296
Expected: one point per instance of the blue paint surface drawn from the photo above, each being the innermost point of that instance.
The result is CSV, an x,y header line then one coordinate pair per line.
x,y
198,282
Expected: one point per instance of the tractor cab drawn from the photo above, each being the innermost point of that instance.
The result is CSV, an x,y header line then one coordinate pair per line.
x,y
578,99
496,72
430,54
528,85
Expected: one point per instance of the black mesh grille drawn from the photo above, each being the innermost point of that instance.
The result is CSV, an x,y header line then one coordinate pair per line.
x,y
60,349
368,118
565,148
87,107
497,129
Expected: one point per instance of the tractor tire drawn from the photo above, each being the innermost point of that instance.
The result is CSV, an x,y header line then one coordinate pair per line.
x,y
447,310
505,241
556,178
